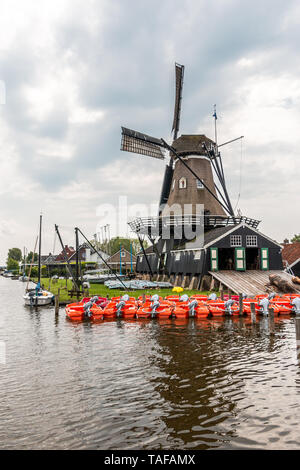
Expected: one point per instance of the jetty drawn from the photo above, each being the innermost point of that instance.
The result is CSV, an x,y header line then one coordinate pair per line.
x,y
249,282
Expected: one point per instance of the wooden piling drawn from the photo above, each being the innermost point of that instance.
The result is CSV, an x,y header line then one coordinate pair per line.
x,y
297,325
271,321
57,302
56,305
241,305
253,312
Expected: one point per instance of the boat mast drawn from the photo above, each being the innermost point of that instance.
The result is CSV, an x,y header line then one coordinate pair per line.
x,y
40,250
24,262
77,258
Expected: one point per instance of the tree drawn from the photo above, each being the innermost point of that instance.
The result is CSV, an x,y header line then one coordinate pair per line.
x,y
15,254
296,238
114,245
12,265
29,257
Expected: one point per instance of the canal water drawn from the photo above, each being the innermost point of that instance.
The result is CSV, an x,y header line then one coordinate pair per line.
x,y
197,384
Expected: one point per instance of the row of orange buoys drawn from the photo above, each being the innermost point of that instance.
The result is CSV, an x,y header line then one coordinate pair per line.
x,y
197,306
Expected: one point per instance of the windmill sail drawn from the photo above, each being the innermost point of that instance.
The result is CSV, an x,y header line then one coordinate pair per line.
x,y
142,144
165,191
179,72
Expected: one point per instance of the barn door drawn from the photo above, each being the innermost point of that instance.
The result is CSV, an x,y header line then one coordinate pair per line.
x,y
240,259
265,259
214,259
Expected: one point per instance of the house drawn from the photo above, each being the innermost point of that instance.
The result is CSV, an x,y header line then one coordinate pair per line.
x,y
229,248
122,261
69,251
291,257
87,255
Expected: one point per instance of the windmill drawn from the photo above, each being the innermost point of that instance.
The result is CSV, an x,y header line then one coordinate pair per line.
x,y
188,177
194,177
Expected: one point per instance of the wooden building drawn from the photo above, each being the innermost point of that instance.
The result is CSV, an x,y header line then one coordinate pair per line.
x,y
122,261
238,248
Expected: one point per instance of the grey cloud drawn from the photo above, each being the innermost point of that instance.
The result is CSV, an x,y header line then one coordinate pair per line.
x,y
125,67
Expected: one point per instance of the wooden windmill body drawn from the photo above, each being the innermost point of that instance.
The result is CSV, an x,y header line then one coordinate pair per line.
x,y
187,193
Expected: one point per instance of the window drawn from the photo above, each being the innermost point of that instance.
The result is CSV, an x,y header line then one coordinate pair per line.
x,y
177,257
251,240
236,240
197,255
123,254
199,184
182,183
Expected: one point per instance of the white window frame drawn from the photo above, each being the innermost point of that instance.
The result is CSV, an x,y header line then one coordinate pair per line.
x,y
251,241
236,241
182,183
197,255
123,254
177,256
199,184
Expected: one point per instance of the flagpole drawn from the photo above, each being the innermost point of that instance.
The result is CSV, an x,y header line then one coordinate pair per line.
x,y
216,117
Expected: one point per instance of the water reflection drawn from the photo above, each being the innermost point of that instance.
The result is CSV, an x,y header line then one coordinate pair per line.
x,y
218,383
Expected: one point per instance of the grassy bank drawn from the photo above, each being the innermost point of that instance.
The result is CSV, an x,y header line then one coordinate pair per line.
x,y
99,289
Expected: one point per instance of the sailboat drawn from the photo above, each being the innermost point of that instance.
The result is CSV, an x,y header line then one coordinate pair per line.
x,y
38,296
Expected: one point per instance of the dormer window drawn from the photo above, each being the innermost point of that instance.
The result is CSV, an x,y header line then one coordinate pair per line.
x,y
182,183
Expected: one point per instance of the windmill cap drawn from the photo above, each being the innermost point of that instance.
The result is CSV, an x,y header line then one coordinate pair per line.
x,y
192,144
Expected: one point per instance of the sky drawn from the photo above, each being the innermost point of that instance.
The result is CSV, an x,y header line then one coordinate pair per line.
x,y
72,72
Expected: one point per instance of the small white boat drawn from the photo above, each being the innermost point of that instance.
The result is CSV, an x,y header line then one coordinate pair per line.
x,y
38,296
42,298
9,275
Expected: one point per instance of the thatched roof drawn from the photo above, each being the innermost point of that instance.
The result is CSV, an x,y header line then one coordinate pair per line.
x,y
191,144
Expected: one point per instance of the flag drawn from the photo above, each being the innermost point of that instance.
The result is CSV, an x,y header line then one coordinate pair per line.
x,y
215,113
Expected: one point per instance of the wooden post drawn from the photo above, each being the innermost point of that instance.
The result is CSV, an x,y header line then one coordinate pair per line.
x,y
297,325
57,302
271,321
229,293
222,291
253,312
241,306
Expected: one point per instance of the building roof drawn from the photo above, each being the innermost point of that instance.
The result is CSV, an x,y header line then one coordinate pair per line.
x,y
215,233
218,233
191,144
291,252
50,259
69,252
85,246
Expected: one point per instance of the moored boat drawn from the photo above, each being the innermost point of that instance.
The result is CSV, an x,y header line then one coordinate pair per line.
x,y
38,297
